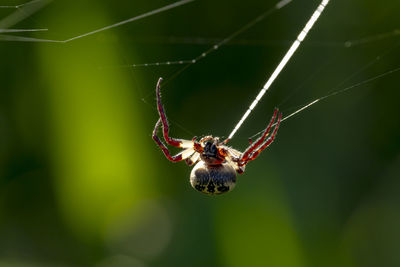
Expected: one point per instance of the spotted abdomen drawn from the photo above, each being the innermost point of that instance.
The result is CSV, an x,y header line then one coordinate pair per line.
x,y
213,179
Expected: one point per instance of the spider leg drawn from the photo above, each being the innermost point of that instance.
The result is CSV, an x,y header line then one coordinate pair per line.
x,y
255,154
178,157
193,159
171,141
260,140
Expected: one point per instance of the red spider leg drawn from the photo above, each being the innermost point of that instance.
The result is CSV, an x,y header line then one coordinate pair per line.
x,y
260,140
175,158
171,141
266,144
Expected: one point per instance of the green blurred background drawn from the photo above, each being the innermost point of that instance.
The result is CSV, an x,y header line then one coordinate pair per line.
x,y
83,184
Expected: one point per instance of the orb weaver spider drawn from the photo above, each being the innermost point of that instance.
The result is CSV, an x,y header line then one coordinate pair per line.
x,y
216,163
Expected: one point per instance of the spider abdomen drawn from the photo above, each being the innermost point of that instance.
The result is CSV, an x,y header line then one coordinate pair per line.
x,y
213,179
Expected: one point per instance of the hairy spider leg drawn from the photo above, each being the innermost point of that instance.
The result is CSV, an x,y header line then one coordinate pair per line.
x,y
170,140
255,154
164,149
193,159
188,152
260,140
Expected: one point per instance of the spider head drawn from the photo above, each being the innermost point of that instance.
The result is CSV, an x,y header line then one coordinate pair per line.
x,y
210,150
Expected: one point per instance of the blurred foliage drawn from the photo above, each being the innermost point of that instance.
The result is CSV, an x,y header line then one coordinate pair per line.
x,y
83,184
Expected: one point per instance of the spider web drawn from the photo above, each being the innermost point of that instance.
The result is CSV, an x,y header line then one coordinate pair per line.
x,y
342,62
236,38
374,40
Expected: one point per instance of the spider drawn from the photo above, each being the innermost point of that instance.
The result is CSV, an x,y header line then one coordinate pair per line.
x,y
216,164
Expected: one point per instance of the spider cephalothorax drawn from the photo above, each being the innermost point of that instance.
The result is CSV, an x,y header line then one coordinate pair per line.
x,y
216,163
210,151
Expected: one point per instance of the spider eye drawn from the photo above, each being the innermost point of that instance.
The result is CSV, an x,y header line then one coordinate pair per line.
x,y
210,148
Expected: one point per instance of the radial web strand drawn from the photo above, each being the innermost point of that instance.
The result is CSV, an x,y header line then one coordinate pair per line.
x,y
22,30
14,18
335,91
341,91
217,45
282,64
22,12
213,48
